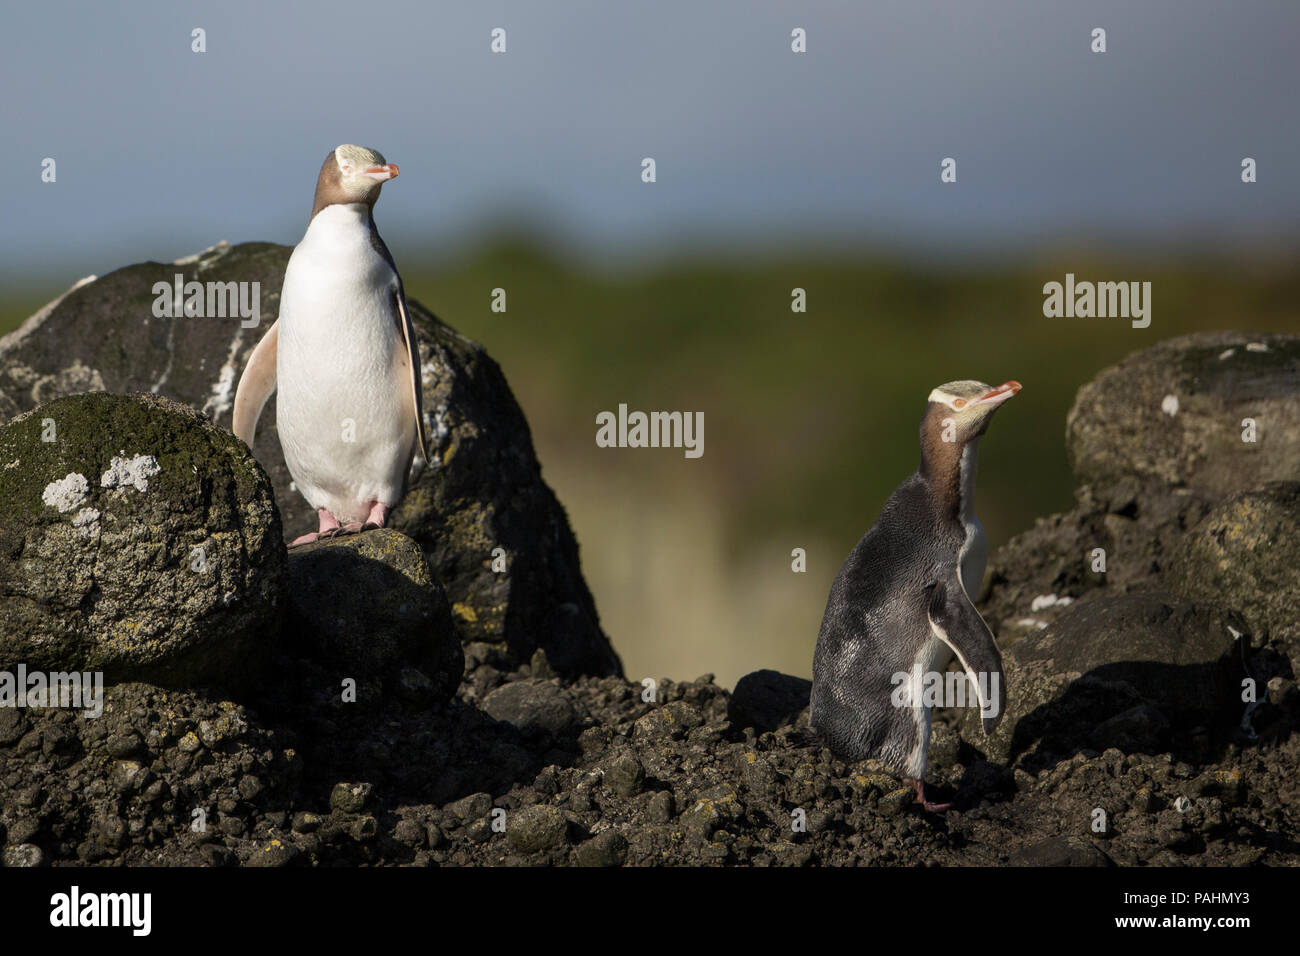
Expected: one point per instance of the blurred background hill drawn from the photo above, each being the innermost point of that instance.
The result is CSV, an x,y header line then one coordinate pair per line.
x,y
775,170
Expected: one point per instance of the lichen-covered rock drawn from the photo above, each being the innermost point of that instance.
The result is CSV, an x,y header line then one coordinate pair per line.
x,y
1175,414
1085,679
1246,555
497,538
536,828
136,538
368,605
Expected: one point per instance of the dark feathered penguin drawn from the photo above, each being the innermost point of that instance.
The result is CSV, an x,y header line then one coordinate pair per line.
x,y
902,602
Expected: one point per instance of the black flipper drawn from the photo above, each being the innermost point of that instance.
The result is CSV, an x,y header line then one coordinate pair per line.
x,y
954,620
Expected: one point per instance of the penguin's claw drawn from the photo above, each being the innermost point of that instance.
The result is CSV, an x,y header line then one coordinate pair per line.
x,y
919,787
329,527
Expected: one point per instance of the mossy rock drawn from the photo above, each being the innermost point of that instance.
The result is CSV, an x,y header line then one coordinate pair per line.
x,y
136,538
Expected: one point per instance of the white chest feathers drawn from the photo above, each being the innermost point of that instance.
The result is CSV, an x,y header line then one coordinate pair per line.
x,y
344,411
975,549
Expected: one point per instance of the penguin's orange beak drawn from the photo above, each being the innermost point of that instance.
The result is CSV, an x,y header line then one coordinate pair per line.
x,y
999,394
381,173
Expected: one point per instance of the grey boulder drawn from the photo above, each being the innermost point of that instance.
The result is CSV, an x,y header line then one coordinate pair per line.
x,y
1174,414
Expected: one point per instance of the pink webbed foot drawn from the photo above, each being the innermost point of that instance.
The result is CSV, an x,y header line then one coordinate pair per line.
x,y
919,787
329,527
377,517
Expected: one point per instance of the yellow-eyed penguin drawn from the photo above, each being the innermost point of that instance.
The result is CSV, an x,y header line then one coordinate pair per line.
x,y
901,606
344,357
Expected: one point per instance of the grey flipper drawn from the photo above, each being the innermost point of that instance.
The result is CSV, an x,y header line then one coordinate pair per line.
x,y
955,621
413,357
255,386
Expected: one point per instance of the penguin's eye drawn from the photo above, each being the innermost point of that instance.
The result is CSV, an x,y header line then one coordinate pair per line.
x,y
959,403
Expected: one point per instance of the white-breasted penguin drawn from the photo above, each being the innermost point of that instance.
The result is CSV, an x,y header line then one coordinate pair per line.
x,y
901,606
343,356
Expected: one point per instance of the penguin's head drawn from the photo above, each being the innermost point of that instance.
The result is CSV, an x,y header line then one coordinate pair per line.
x,y
362,171
351,174
963,409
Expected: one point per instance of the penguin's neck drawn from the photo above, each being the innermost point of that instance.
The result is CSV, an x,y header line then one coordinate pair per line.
x,y
343,217
949,470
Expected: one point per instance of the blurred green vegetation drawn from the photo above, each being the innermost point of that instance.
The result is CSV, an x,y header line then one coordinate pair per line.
x,y
810,419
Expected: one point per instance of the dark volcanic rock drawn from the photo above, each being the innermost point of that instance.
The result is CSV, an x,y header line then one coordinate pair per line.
x,y
531,706
1173,414
766,700
1246,555
1118,746
1146,475
1118,668
139,540
483,490
1061,851
367,604
537,828
607,848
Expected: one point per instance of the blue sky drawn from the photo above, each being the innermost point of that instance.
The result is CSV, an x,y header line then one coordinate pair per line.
x,y
162,151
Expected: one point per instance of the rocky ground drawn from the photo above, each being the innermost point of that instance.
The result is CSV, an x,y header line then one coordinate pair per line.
x,y
264,710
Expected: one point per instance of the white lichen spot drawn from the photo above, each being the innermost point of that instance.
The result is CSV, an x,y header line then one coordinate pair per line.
x,y
1049,600
134,472
1256,347
66,493
218,403
87,522
12,464
1031,622
223,390
1227,354
1170,405
438,427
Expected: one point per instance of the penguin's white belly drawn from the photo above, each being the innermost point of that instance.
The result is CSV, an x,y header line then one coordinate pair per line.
x,y
975,549
344,411
973,558
931,658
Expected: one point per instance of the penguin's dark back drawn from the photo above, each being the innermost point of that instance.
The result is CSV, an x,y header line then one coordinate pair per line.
x,y
876,620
